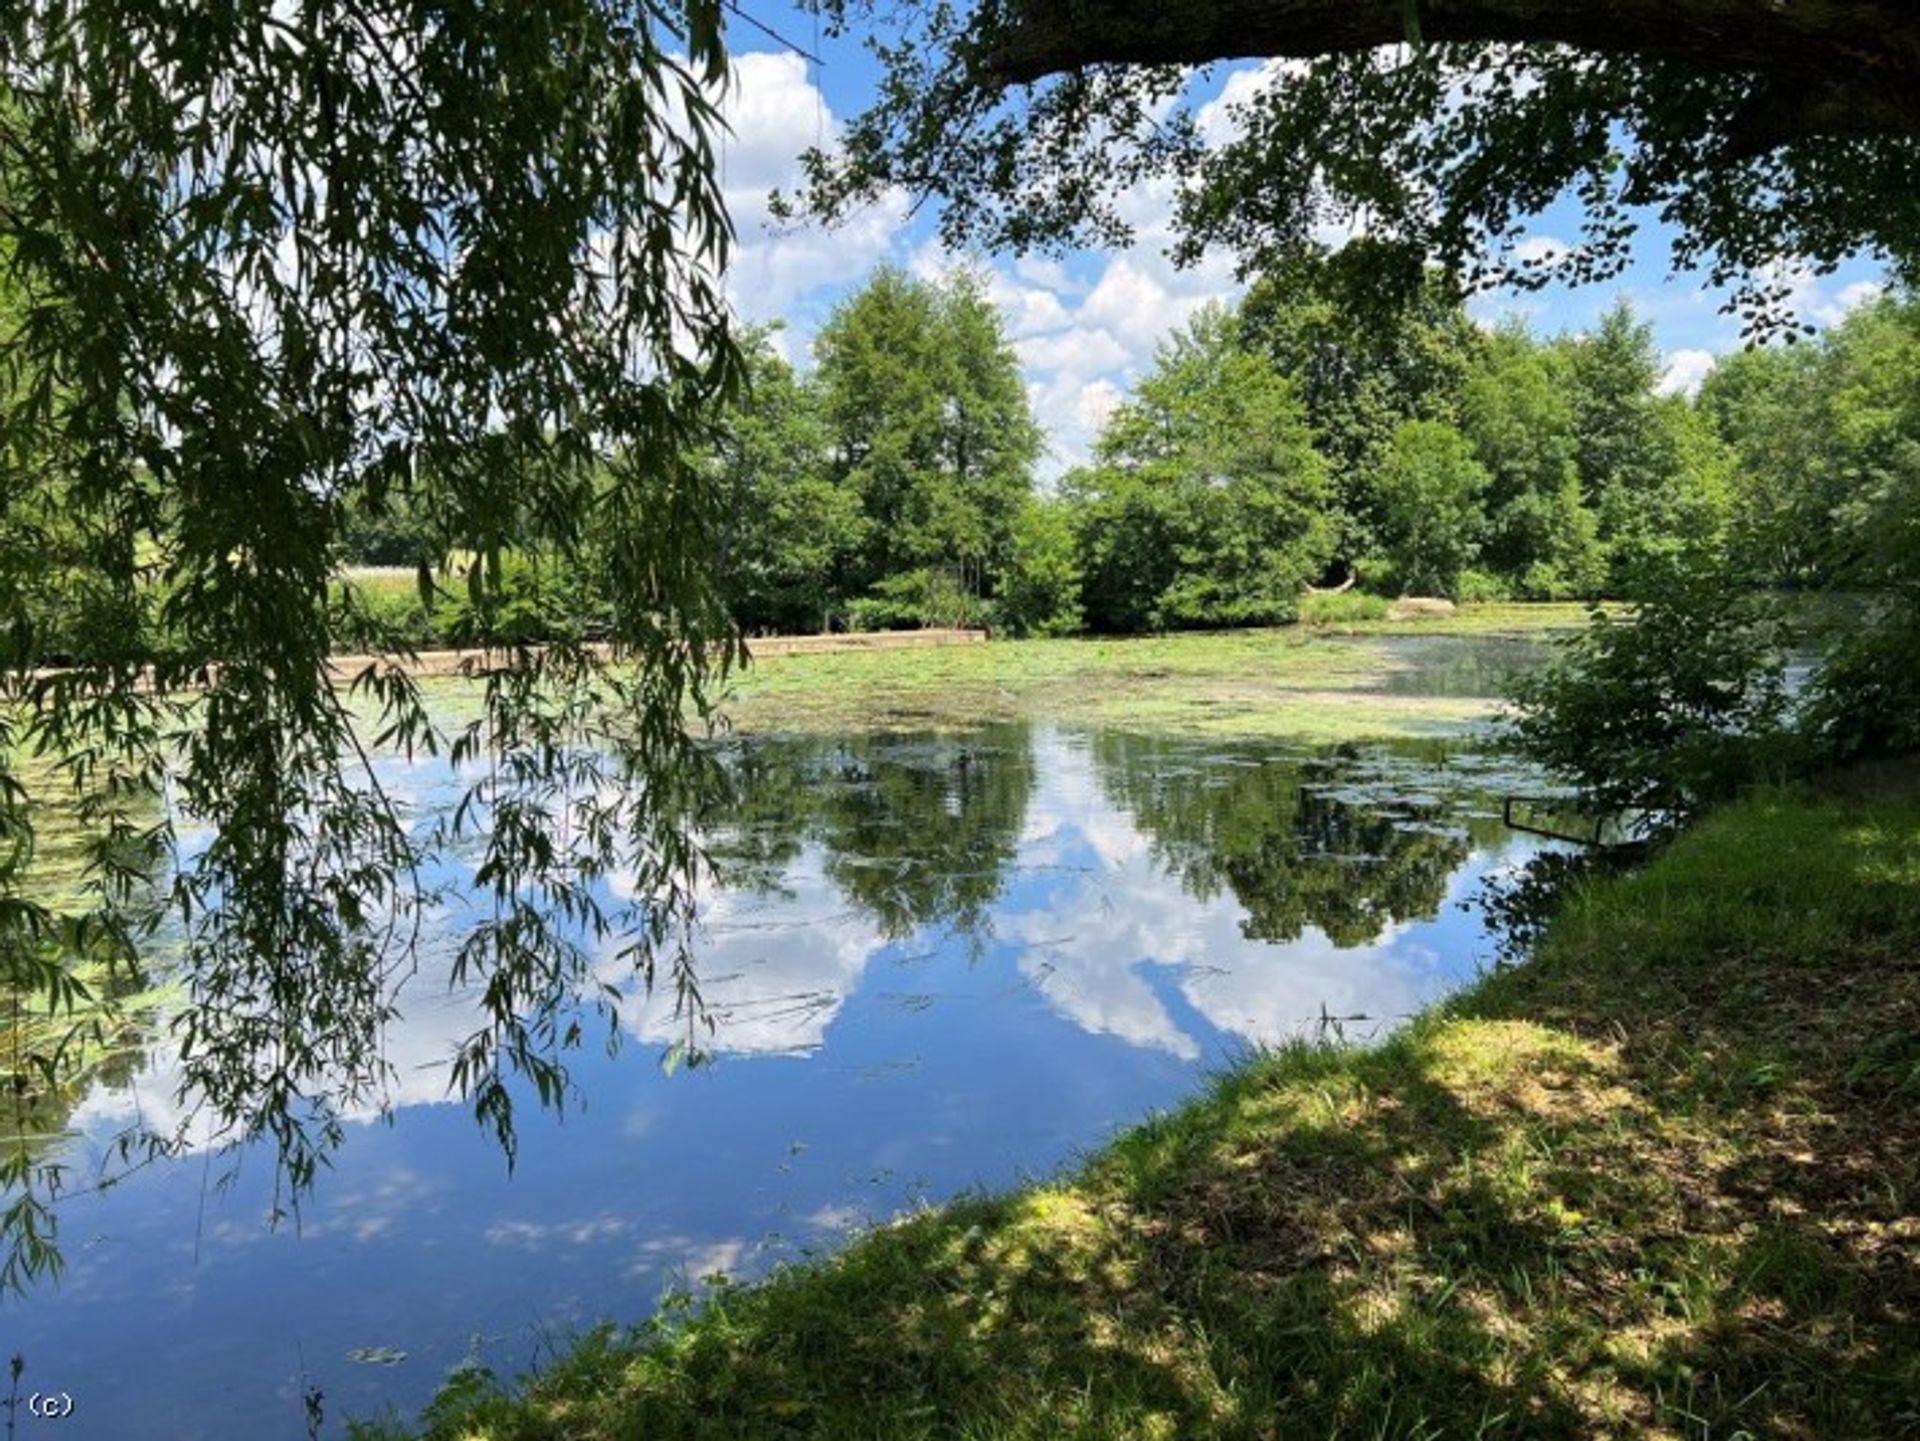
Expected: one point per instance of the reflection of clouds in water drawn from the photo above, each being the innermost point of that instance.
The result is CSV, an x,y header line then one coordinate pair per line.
x,y
418,1044
1083,949
678,1255
774,990
374,1209
774,971
1068,808
777,969
687,1258
1086,947
1103,992
834,1219
1268,993
547,1235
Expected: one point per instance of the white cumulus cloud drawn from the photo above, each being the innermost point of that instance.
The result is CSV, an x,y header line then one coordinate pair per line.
x,y
1684,371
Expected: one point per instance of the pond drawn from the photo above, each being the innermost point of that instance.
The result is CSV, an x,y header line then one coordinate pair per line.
x,y
1459,665
937,963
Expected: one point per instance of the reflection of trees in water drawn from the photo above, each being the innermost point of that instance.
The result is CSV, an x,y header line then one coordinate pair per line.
x,y
75,1008
1278,834
764,826
915,831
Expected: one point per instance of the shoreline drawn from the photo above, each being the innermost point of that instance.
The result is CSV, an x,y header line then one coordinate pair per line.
x,y
1657,1180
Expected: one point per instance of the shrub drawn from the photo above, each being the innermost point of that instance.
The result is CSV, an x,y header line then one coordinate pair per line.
x,y
382,608
1040,593
1864,700
916,598
1341,607
379,610
1670,709
1479,587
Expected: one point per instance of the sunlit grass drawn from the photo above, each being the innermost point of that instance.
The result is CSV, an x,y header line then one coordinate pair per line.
x,y
1659,1181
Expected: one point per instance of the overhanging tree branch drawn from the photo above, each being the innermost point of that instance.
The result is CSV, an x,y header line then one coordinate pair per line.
x,y
1851,67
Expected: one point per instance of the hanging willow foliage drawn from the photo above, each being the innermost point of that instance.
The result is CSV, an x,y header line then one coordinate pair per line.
x,y
268,263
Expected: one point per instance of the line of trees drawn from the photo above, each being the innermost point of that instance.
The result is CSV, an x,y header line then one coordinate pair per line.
x,y
1286,442
1819,556
1289,441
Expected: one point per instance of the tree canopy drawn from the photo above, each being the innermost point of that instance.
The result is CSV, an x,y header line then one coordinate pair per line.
x,y
930,423
1769,136
1208,504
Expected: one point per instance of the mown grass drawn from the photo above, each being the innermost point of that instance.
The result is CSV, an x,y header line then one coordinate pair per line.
x,y
1311,684
1658,1182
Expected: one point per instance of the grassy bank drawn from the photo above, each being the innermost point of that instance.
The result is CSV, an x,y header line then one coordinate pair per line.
x,y
1309,683
1660,1181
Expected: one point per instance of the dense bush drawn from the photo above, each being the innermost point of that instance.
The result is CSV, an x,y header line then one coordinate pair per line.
x,y
1478,587
1864,700
1670,708
1040,594
932,596
1341,607
377,609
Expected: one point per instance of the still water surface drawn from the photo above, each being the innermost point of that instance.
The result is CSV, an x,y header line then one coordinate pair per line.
x,y
939,963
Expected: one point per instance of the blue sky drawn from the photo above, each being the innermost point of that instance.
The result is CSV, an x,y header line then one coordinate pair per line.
x,y
1085,325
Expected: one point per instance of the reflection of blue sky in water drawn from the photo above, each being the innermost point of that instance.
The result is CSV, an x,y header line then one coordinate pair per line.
x,y
858,1071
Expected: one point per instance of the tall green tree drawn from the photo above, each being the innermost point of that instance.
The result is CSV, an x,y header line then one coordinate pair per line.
x,y
1653,477
790,531
1814,435
929,425
1430,490
1360,370
1208,504
1041,593
1865,503
1517,409
1767,404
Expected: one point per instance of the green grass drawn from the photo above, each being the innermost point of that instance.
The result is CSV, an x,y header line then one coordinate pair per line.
x,y
1301,683
1660,1181
1342,608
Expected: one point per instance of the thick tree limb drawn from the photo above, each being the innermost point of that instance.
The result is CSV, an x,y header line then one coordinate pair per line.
x,y
1857,62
